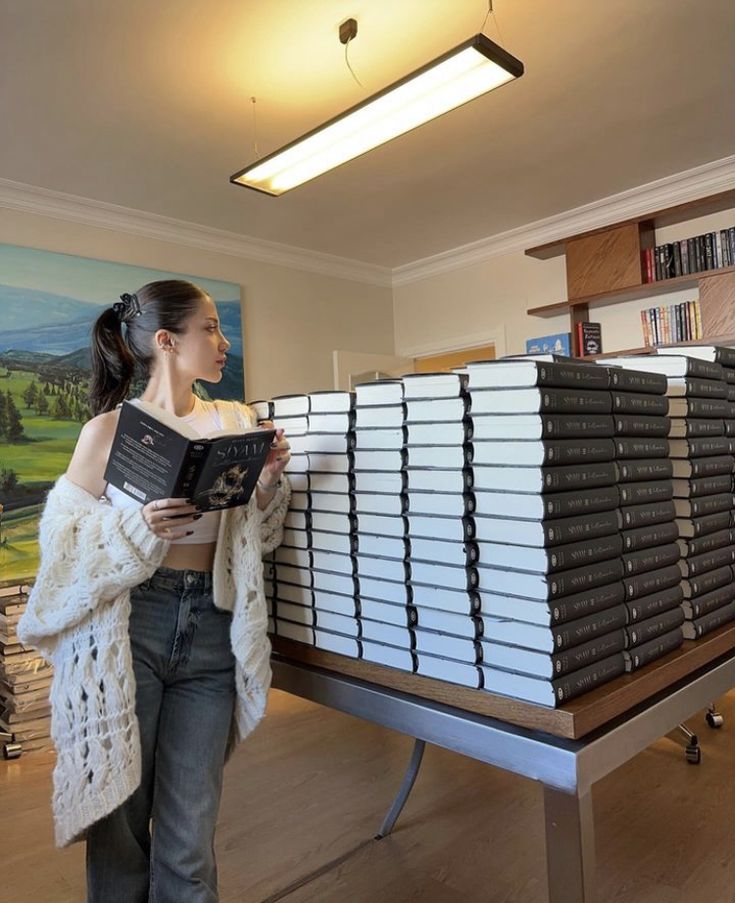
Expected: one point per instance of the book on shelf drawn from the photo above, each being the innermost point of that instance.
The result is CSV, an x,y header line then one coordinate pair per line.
x,y
551,664
550,560
695,545
540,400
671,363
289,405
547,533
558,343
539,426
716,354
542,452
649,606
531,506
589,338
379,392
654,649
331,402
500,606
434,385
448,670
545,479
704,624
546,587
521,373
704,604
688,256
155,455
675,323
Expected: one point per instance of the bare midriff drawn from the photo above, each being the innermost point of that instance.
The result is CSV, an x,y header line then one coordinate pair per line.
x,y
190,557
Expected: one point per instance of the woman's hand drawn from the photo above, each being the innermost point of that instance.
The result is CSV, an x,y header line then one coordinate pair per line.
x,y
275,464
169,518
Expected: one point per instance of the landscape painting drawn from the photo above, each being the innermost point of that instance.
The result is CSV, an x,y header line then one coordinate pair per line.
x,y
48,303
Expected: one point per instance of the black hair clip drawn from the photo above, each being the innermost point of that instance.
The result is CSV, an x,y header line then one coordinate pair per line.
x,y
127,307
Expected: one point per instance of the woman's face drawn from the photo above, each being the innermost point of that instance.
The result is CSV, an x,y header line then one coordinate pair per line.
x,y
201,348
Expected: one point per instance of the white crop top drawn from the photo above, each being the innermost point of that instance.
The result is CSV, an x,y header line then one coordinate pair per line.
x,y
204,419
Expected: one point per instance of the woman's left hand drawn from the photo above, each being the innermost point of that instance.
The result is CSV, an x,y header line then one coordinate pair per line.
x,y
278,458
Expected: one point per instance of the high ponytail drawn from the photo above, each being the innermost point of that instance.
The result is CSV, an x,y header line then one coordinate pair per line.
x,y
118,357
113,364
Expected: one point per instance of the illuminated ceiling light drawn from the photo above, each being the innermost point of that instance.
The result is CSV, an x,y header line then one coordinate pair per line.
x,y
470,70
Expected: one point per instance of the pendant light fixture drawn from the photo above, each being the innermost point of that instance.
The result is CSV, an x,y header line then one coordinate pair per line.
x,y
469,70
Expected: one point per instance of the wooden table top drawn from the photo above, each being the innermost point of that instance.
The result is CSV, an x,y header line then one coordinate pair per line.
x,y
577,718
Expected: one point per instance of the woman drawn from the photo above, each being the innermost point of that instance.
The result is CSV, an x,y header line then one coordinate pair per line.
x,y
154,618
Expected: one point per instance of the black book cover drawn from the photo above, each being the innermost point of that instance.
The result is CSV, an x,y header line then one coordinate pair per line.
x,y
709,252
562,400
705,583
707,504
639,470
646,537
705,388
694,565
581,476
644,515
588,551
588,602
571,426
591,338
571,375
592,501
709,622
708,602
650,628
677,259
692,255
585,654
641,425
576,529
702,427
651,559
696,545
657,259
640,403
650,447
713,466
151,459
565,583
668,261
638,493
625,380
706,407
586,679
709,523
706,446
648,606
574,451
654,649
572,633
651,582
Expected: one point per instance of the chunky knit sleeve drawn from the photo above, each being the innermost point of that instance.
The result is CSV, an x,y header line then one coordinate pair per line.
x,y
91,552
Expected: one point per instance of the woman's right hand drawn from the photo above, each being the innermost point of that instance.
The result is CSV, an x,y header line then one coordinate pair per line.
x,y
169,518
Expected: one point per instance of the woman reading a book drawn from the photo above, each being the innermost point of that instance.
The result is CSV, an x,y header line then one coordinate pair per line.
x,y
154,617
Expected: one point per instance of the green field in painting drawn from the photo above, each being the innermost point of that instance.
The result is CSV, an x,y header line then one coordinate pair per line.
x,y
19,543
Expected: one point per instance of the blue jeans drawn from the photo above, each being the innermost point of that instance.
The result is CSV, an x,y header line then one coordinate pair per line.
x,y
158,847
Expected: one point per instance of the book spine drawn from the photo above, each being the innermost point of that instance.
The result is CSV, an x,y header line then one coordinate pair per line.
x,y
698,319
572,633
651,559
641,448
711,504
731,242
186,485
648,263
696,545
654,649
646,537
586,654
713,620
570,426
582,476
677,258
685,256
651,582
715,485
637,381
644,327
570,529
587,603
708,602
706,407
635,470
709,252
658,257
592,501
590,551
565,583
711,467
568,452
645,631
705,388
585,679
708,445
559,401
691,255
717,249
650,606
572,376
638,493
640,403
702,427
694,565
641,425
705,583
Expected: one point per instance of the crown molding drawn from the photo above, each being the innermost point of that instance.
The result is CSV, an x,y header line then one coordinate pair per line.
x,y
101,215
689,185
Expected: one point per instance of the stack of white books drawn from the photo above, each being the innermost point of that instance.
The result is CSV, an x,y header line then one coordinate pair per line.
x,y
384,597
547,520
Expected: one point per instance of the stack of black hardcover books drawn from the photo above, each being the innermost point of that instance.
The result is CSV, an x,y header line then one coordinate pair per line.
x,y
383,592
443,578
651,553
547,520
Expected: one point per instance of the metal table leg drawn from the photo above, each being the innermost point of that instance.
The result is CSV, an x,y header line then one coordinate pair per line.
x,y
405,789
570,847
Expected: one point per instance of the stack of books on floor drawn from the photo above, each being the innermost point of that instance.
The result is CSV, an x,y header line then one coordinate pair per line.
x,y
442,574
313,570
702,464
25,678
383,594
651,552
547,522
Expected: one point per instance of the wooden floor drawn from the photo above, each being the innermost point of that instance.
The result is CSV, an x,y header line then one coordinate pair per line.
x,y
305,795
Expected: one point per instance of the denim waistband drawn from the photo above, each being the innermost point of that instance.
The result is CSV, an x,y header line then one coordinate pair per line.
x,y
171,578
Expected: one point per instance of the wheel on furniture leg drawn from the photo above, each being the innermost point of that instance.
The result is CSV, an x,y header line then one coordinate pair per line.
x,y
693,754
12,750
714,720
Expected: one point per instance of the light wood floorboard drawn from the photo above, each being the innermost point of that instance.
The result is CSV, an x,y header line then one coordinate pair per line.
x,y
310,788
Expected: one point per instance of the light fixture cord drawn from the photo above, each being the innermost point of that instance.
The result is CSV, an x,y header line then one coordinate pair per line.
x,y
255,130
491,12
347,60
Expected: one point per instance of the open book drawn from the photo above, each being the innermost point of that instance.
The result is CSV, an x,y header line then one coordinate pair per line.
x,y
156,455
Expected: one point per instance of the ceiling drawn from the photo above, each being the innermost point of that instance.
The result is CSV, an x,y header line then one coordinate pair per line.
x,y
146,104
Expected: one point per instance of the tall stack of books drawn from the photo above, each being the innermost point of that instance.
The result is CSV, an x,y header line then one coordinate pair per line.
x,y
702,463
384,595
651,553
443,577
547,524
25,678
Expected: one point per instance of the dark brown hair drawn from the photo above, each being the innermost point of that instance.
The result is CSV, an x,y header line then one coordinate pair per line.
x,y
122,336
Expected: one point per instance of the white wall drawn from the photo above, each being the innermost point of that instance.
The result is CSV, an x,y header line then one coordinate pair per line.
x,y
494,295
293,320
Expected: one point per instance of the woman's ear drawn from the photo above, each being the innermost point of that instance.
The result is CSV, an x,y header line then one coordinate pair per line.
x,y
164,341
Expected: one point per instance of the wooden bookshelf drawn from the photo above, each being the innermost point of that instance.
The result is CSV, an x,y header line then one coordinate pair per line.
x,y
606,266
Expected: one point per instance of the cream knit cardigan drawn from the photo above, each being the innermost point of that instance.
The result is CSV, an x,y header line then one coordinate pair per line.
x,y
92,555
